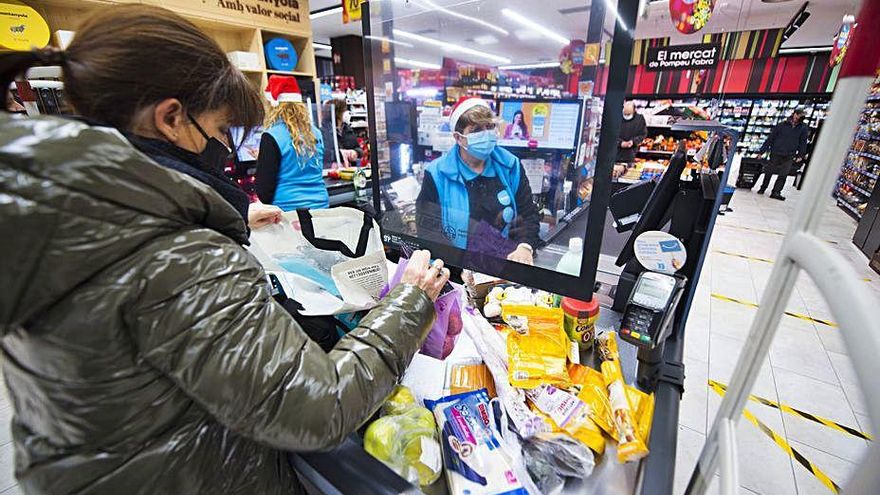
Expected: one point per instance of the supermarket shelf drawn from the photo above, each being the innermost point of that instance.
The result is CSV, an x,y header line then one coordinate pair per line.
x,y
850,209
860,171
874,98
854,186
289,73
867,137
866,155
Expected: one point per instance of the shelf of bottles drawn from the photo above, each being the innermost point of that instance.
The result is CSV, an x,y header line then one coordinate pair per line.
x,y
860,171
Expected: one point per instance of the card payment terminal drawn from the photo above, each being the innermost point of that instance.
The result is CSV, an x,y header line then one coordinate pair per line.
x,y
650,309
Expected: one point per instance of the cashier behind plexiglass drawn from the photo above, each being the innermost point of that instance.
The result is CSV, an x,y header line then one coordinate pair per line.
x,y
477,196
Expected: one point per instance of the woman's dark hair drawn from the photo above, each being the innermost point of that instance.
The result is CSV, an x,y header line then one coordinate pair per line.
x,y
339,107
127,57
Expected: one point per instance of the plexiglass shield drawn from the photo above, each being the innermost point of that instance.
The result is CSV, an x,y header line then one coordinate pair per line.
x,y
487,123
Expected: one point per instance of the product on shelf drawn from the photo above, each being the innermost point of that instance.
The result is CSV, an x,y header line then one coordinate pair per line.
x,y
860,172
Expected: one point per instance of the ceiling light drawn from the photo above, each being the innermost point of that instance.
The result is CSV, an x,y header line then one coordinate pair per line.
x,y
527,35
416,63
486,39
612,7
804,49
389,40
468,18
321,46
539,65
516,17
324,13
450,46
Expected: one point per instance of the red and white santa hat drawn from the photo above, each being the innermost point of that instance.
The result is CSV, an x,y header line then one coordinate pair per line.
x,y
464,104
283,89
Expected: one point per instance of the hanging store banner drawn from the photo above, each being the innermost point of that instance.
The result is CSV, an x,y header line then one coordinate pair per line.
x,y
683,57
21,27
351,10
841,40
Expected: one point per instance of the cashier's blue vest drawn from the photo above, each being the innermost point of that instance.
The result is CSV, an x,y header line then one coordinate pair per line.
x,y
300,183
450,173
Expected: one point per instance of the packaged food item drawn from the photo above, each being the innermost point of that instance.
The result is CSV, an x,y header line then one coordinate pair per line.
x,y
407,444
475,463
465,377
552,457
645,417
580,321
537,348
492,346
589,385
568,414
629,446
505,295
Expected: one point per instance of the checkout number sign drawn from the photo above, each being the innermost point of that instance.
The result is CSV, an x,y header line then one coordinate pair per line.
x,y
351,10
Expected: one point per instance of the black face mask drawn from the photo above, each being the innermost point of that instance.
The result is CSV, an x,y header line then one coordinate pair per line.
x,y
216,154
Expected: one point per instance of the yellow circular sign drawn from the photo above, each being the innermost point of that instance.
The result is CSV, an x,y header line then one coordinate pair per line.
x,y
21,27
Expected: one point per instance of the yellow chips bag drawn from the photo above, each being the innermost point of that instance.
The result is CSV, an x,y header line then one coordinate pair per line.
x,y
589,385
537,347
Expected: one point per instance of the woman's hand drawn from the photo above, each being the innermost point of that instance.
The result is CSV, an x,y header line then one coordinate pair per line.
x,y
522,255
430,277
349,156
260,215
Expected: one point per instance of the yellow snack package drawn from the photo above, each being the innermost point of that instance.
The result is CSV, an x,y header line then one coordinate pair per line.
x,y
467,377
589,385
565,412
537,347
645,417
643,407
629,446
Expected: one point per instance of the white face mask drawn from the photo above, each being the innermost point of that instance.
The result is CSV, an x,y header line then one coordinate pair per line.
x,y
628,117
346,117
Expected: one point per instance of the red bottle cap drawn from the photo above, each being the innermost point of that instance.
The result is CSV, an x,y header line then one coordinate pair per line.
x,y
580,309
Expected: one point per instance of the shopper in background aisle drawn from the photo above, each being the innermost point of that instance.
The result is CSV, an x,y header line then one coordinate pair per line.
x,y
786,143
633,131
349,148
290,163
141,348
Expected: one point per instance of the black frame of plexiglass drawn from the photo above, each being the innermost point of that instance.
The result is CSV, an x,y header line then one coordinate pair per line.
x,y
580,287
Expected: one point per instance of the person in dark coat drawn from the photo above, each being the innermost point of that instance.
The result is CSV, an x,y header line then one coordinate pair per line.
x,y
633,131
786,143
141,347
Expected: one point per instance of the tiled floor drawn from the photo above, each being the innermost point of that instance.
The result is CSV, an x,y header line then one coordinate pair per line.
x,y
807,368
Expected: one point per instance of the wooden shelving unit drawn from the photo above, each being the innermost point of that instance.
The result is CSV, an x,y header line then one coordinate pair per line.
x,y
233,30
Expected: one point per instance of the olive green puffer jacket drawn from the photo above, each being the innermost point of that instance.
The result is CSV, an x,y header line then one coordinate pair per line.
x,y
141,348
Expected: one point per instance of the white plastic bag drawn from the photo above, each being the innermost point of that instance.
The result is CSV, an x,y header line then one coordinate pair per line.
x,y
331,261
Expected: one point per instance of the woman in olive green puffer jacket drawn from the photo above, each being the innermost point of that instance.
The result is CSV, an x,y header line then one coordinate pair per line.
x,y
142,350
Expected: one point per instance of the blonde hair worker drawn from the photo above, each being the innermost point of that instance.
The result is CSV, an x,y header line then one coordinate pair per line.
x,y
291,152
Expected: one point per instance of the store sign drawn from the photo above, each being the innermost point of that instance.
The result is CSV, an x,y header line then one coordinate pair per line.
x,y
262,13
21,27
684,57
351,10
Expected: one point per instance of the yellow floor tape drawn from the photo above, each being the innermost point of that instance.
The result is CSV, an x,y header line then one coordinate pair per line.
x,y
785,446
765,231
755,258
801,414
721,297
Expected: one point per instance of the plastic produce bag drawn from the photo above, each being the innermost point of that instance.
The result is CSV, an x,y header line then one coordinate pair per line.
x,y
441,339
552,457
406,441
330,261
